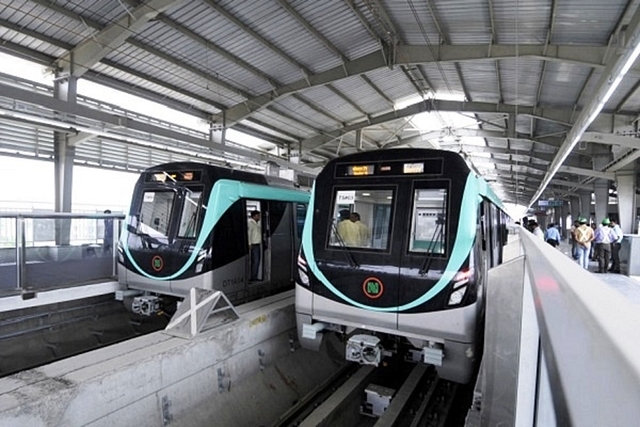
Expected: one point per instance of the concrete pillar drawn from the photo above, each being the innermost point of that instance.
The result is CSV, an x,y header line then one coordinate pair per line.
x,y
601,157
626,183
601,192
585,203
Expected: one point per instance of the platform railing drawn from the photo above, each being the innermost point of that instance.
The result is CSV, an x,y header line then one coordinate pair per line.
x,y
42,251
561,346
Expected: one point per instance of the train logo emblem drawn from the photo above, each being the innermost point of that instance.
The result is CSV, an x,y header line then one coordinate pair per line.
x,y
157,263
372,287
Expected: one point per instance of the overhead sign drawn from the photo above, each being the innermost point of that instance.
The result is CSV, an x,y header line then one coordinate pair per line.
x,y
550,203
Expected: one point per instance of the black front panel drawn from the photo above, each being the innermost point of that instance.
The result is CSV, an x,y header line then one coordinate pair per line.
x,y
424,213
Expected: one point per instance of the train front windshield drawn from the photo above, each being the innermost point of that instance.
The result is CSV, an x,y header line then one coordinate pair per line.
x,y
155,214
362,218
428,221
190,214
156,210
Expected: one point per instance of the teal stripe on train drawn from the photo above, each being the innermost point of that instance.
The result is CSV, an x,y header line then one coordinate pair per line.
x,y
463,244
224,193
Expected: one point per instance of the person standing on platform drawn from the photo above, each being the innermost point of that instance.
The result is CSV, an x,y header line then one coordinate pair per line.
x,y
255,241
584,236
615,247
535,229
552,235
592,252
574,244
602,239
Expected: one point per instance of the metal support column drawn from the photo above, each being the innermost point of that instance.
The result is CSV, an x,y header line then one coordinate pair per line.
x,y
626,183
64,89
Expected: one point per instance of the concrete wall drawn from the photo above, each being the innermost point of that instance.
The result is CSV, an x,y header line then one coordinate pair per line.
x,y
159,380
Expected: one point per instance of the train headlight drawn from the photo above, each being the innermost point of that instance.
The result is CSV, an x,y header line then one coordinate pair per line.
x,y
460,281
304,278
120,254
457,295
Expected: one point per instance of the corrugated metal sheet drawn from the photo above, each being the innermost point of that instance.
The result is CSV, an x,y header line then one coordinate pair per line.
x,y
562,83
519,80
394,83
188,51
269,48
101,11
464,21
522,21
586,22
481,80
413,21
338,107
302,129
340,25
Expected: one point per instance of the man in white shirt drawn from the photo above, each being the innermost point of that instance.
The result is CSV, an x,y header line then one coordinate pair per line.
x,y
255,240
615,247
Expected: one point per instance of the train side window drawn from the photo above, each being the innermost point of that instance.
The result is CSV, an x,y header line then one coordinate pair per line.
x,y
428,221
361,218
190,214
155,213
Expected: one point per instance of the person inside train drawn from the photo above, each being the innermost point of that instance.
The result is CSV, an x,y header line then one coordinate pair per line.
x,y
255,239
363,230
347,229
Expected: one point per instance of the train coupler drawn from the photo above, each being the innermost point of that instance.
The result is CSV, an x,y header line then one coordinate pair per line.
x,y
146,305
364,349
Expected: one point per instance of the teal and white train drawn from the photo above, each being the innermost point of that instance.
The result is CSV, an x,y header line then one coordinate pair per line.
x,y
407,273
187,227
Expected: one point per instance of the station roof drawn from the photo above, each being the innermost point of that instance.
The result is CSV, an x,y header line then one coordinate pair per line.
x,y
529,91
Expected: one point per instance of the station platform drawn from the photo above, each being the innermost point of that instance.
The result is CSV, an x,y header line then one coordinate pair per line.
x,y
628,286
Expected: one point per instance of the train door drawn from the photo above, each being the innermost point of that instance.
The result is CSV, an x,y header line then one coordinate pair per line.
x,y
280,247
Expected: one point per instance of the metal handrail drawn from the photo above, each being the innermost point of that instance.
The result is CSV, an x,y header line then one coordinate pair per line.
x,y
63,243
60,215
589,337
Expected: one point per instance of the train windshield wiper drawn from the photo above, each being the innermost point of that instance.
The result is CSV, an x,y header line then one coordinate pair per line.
x,y
435,239
343,246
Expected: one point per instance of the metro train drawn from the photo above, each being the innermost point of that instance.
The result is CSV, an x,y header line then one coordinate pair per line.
x,y
187,227
394,259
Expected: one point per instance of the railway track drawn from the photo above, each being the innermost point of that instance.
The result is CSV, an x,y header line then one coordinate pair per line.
x,y
403,395
33,337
